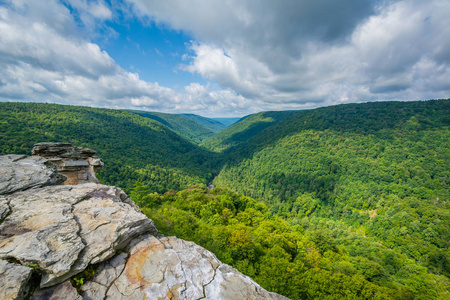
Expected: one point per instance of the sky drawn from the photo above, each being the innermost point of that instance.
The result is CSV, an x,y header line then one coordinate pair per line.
x,y
223,58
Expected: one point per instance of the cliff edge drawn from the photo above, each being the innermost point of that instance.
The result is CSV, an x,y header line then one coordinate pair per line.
x,y
52,231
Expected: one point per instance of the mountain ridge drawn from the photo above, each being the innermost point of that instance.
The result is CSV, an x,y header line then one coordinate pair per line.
x,y
366,185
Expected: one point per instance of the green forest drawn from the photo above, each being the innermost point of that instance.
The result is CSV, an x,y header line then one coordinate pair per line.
x,y
342,202
134,148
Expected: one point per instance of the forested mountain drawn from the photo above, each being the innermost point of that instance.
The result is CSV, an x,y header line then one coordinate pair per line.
x,y
243,130
373,176
342,202
134,148
211,124
189,128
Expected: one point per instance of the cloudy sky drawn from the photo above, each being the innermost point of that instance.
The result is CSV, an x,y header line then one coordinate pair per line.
x,y
223,58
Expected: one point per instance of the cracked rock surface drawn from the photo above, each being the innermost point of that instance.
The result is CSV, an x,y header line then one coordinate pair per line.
x,y
62,229
171,268
21,172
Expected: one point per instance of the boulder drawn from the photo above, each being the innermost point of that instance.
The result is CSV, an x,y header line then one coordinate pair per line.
x,y
64,228
20,172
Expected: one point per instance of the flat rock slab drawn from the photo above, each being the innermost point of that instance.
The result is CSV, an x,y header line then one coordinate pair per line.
x,y
171,268
62,229
20,172
61,150
13,280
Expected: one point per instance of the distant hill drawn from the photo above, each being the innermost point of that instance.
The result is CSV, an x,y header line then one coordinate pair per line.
x,y
227,121
211,124
191,128
383,124
245,129
134,148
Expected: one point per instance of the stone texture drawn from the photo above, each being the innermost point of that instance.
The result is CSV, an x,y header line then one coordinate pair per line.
x,y
171,268
65,228
76,163
62,291
20,172
105,276
13,280
61,150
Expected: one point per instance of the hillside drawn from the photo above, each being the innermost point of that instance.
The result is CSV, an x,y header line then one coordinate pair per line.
x,y
356,197
134,148
281,258
226,121
194,129
211,124
373,176
243,130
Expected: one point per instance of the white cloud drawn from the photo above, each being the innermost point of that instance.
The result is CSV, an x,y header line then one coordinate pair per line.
x,y
309,53
49,62
258,55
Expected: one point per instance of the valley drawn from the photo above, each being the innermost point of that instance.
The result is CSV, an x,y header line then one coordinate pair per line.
x,y
342,201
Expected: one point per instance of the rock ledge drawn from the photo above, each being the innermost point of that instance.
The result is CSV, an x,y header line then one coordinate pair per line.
x,y
57,231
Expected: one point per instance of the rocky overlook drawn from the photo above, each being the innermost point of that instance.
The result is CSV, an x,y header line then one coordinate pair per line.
x,y
56,221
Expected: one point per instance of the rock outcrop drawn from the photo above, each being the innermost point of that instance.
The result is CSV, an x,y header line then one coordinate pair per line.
x,y
78,164
50,233
20,172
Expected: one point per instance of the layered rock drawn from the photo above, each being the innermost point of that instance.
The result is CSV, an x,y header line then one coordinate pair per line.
x,y
60,230
64,228
78,164
20,172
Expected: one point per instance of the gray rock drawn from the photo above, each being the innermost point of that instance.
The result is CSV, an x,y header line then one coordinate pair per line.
x,y
61,150
42,229
229,283
20,172
13,280
76,163
169,268
105,275
64,228
107,224
62,291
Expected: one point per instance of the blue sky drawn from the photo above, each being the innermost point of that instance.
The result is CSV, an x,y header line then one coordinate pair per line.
x,y
153,51
223,58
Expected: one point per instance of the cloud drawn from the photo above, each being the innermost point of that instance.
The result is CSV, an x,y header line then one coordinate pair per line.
x,y
51,62
313,53
256,55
